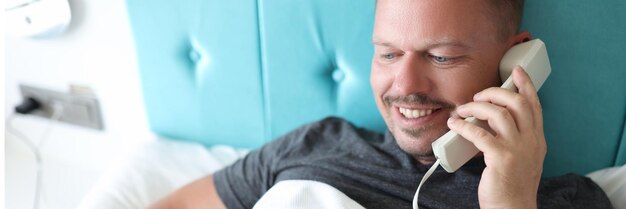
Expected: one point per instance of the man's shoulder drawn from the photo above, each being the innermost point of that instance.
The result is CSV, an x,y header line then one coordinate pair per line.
x,y
332,122
577,190
329,126
325,133
336,128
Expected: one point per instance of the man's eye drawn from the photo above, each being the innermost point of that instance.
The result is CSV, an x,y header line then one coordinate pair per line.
x,y
440,59
388,56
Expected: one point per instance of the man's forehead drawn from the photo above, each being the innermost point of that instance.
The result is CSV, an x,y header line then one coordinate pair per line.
x,y
429,23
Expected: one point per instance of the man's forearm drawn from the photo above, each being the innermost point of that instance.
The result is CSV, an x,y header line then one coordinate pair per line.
x,y
200,194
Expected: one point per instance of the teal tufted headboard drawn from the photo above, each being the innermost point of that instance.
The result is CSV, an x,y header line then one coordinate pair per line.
x,y
244,72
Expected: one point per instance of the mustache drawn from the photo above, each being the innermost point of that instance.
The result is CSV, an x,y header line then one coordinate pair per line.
x,y
419,99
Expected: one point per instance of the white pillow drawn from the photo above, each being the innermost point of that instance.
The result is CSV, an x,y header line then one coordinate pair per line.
x,y
613,182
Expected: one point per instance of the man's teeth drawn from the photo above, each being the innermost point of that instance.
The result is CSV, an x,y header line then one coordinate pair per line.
x,y
409,113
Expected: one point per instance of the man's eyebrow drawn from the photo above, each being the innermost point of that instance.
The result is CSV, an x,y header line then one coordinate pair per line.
x,y
381,43
429,44
446,42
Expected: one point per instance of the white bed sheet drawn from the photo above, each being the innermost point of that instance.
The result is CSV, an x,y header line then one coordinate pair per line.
x,y
613,182
305,194
156,169
161,166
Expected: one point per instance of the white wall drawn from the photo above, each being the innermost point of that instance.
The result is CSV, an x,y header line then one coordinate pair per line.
x,y
97,51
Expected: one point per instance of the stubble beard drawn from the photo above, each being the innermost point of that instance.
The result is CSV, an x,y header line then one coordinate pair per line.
x,y
415,135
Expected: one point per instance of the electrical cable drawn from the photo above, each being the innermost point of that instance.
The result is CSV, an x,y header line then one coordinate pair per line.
x,y
57,112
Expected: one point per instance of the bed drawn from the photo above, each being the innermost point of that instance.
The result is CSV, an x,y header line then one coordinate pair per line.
x,y
237,74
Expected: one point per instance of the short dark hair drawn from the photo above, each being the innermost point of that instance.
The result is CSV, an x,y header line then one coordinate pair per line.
x,y
506,15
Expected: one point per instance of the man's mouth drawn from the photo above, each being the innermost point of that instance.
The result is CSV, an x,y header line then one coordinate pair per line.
x,y
415,113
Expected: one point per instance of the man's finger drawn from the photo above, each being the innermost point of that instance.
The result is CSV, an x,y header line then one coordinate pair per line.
x,y
481,138
527,89
517,105
499,118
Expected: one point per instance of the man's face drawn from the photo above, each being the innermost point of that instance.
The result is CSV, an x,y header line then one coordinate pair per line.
x,y
430,56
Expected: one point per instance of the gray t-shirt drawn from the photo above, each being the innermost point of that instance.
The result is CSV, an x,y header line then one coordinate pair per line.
x,y
371,169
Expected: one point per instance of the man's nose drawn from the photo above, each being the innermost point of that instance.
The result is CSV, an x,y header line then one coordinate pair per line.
x,y
412,77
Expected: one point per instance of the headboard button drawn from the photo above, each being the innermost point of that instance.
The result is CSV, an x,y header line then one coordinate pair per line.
x,y
194,55
338,75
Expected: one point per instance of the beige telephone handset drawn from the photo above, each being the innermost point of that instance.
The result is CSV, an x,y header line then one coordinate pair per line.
x,y
452,150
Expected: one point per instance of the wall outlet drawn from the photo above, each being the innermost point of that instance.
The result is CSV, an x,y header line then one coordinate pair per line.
x,y
78,108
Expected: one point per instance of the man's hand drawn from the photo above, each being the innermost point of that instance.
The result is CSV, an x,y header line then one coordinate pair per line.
x,y
514,155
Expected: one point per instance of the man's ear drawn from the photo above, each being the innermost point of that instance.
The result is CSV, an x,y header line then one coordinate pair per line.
x,y
519,38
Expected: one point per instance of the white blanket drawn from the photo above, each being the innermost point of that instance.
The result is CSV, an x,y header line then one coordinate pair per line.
x,y
304,194
162,166
613,182
155,170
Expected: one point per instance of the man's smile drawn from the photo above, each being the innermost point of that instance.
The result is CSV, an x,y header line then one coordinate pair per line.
x,y
415,113
417,118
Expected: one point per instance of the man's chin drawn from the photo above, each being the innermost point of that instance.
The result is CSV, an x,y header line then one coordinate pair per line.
x,y
422,154
418,142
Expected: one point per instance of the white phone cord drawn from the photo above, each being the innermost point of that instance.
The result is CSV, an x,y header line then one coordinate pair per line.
x,y
426,176
36,149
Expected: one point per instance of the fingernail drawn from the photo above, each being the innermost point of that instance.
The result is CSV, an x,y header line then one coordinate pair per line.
x,y
451,120
476,96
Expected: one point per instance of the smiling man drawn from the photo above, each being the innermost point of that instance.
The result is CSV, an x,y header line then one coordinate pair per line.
x,y
452,53
430,58
434,61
